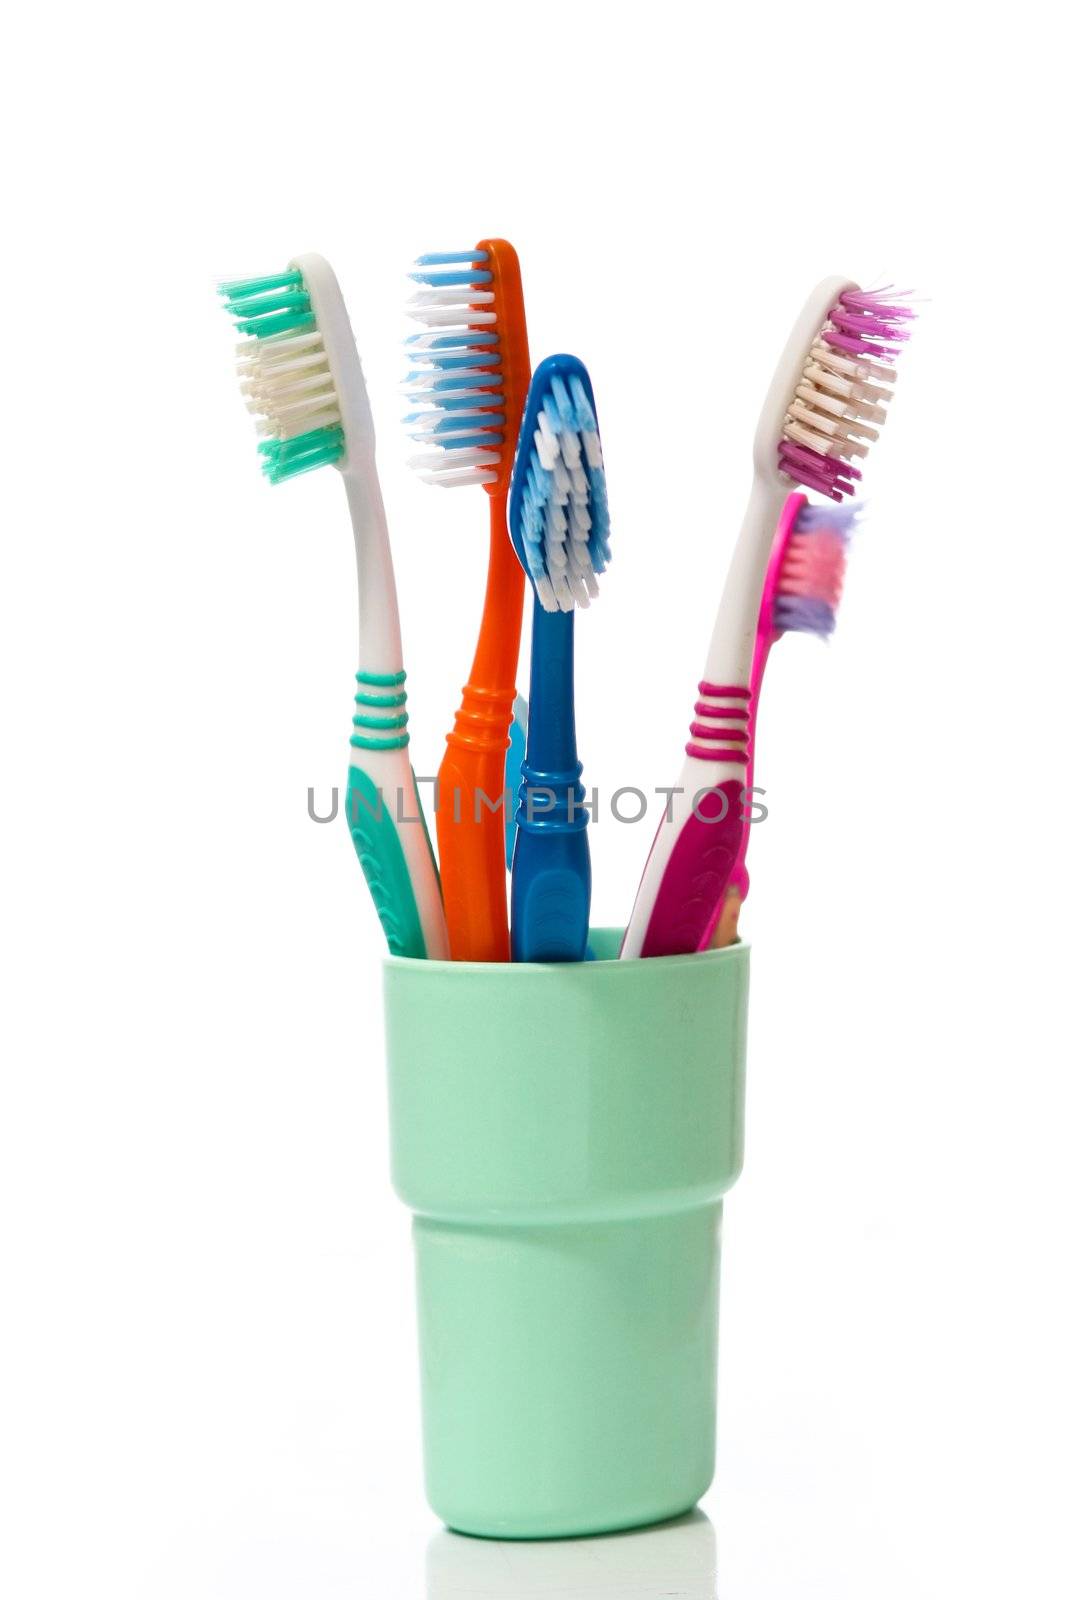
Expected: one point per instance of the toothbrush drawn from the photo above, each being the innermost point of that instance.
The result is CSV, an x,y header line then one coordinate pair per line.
x,y
301,376
825,405
472,370
558,515
805,575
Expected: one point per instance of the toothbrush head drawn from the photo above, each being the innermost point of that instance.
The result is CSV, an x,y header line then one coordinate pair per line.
x,y
471,367
829,396
558,511
810,571
299,368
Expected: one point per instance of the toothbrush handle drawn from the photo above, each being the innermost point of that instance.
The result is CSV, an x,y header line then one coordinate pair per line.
x,y
470,782
551,876
381,803
725,929
704,827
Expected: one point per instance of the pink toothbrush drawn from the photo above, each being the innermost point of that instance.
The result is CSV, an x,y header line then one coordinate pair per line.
x,y
805,575
825,405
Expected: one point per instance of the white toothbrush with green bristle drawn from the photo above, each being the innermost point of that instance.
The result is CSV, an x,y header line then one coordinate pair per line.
x,y
302,379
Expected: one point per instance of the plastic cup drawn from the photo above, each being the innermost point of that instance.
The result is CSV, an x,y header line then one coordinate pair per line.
x,y
564,1136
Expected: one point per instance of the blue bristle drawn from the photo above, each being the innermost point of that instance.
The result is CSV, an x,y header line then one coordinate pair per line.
x,y
564,405
453,341
462,424
583,409
448,258
540,483
443,363
488,441
445,381
461,415
450,280
551,414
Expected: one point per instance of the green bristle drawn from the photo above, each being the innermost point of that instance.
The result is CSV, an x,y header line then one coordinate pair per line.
x,y
286,458
256,305
266,306
288,322
241,288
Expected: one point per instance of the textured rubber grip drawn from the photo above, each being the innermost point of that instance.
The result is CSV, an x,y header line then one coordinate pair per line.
x,y
551,873
384,866
695,878
470,793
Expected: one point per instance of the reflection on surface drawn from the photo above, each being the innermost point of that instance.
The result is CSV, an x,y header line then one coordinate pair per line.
x,y
675,1559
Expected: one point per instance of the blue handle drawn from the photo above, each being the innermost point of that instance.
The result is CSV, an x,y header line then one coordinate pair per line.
x,y
551,875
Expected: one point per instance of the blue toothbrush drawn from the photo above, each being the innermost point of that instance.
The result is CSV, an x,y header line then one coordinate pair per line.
x,y
559,524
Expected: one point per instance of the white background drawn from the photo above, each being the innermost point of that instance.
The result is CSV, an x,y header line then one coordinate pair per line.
x,y
209,1366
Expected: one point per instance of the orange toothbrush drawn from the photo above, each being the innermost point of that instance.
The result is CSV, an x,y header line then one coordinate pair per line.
x,y
472,370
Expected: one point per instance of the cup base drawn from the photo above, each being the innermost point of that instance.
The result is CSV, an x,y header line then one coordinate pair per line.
x,y
475,1527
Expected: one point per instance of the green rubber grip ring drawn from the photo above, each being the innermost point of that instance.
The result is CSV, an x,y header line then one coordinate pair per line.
x,y
384,726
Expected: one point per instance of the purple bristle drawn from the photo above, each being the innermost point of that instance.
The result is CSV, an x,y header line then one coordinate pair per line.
x,y
828,474
867,325
840,520
795,615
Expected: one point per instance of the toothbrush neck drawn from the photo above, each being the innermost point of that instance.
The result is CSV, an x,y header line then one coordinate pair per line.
x,y
380,648
496,658
551,744
734,636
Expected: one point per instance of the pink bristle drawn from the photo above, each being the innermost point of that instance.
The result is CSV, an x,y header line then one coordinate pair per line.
x,y
814,567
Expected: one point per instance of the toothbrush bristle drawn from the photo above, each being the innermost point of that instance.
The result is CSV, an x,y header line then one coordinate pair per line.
x,y
285,374
812,572
839,405
456,384
563,515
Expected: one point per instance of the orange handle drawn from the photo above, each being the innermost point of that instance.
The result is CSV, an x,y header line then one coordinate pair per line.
x,y
470,782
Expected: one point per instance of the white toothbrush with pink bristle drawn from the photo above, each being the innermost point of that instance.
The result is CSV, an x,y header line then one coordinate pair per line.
x,y
824,408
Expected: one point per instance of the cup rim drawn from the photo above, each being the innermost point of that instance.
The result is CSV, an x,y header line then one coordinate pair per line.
x,y
534,968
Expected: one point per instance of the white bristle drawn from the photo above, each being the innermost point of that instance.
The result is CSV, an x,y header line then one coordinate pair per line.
x,y
287,384
813,411
457,480
444,317
451,297
421,344
852,366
